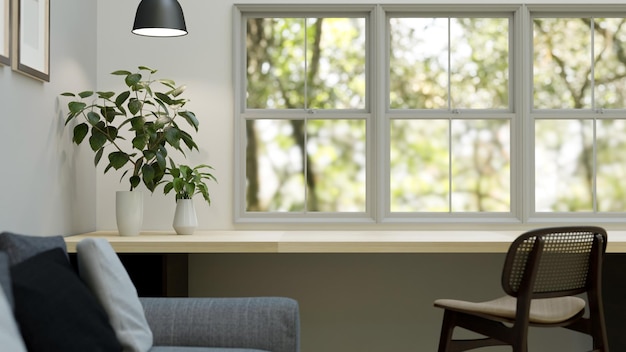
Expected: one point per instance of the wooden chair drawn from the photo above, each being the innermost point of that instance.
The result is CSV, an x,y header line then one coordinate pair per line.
x,y
543,271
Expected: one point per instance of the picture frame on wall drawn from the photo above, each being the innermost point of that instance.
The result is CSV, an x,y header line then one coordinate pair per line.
x,y
5,32
31,38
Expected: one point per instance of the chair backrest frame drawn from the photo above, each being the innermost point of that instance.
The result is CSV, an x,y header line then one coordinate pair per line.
x,y
554,262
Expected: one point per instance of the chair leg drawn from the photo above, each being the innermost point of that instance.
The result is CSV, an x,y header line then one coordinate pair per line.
x,y
520,342
523,348
447,328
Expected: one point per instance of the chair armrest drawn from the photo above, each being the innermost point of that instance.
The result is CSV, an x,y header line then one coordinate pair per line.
x,y
265,323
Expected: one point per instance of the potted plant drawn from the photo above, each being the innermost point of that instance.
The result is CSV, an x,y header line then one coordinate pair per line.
x,y
135,127
186,182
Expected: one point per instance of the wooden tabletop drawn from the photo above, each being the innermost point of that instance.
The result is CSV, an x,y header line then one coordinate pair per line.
x,y
319,241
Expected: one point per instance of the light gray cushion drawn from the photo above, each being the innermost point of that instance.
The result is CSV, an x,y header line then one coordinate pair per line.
x,y
5,278
103,272
10,338
542,311
22,247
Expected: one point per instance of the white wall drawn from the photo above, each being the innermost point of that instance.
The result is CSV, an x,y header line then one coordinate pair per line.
x,y
47,186
201,61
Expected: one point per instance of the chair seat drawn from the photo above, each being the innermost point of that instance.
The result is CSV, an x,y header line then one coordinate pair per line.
x,y
542,311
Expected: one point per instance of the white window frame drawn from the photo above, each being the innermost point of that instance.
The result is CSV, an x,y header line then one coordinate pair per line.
x,y
513,12
377,116
241,13
531,215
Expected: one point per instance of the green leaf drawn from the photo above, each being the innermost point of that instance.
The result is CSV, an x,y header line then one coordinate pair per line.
x,y
132,79
69,118
163,150
97,139
159,171
68,94
145,68
178,91
93,117
161,121
134,106
168,187
140,141
121,98
190,189
186,137
179,184
149,154
134,181
106,95
76,106
202,188
80,131
172,136
160,159
111,132
185,171
138,166
118,159
109,113
121,73
166,111
191,119
148,173
85,94
168,82
96,159
123,175
137,123
167,100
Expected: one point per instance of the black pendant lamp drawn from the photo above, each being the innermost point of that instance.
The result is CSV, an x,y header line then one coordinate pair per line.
x,y
159,18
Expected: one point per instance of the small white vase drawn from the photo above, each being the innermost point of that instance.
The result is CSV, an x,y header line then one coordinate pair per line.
x,y
129,212
185,219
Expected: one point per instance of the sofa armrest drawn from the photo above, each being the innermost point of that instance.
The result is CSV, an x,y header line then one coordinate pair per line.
x,y
265,323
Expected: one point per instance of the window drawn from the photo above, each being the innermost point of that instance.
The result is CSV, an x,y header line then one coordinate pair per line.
x,y
429,113
306,111
449,113
579,92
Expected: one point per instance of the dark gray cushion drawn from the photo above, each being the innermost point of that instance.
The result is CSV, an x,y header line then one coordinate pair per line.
x,y
5,278
22,247
55,310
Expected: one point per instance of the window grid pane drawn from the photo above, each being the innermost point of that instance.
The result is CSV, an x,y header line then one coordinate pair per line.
x,y
305,63
449,63
305,166
421,173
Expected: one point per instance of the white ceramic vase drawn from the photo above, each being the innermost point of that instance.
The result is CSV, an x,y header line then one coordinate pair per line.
x,y
129,212
185,219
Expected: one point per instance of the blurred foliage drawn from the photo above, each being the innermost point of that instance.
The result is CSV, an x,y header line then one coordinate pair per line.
x,y
580,163
451,164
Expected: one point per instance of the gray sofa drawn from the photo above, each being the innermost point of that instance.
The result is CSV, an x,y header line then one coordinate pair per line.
x,y
223,324
47,305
